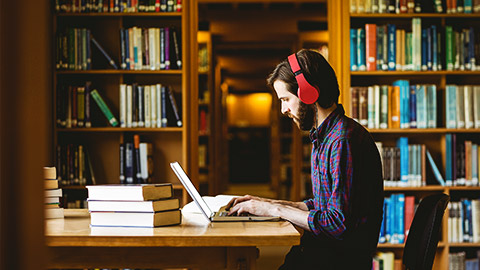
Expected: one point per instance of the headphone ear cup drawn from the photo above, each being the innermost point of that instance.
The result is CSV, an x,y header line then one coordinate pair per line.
x,y
306,92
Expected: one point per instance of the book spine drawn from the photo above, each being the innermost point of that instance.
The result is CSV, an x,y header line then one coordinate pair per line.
x,y
109,59
167,47
158,89
413,106
153,106
175,108
143,162
134,105
384,106
449,47
123,49
136,145
391,47
370,107
140,104
129,163
80,106
354,103
147,109
176,46
164,106
74,106
122,164
421,106
431,106
123,105
371,46
361,61
162,48
353,49
103,106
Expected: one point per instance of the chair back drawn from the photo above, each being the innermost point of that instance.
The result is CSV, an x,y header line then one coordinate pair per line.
x,y
422,239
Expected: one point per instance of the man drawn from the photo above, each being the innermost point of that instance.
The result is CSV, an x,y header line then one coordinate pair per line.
x,y
342,221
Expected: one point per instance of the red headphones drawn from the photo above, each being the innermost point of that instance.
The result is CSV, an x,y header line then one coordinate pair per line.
x,y
307,93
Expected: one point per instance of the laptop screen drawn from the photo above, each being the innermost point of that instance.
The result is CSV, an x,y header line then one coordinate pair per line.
x,y
182,176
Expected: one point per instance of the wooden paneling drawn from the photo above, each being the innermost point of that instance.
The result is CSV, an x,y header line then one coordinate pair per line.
x,y
25,140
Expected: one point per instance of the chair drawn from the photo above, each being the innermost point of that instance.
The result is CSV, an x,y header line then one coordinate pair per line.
x,y
422,240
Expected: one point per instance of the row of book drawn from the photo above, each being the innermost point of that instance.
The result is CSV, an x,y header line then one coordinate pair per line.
x,y
414,6
388,48
462,161
136,161
150,48
460,261
150,106
52,193
405,164
149,205
400,105
462,106
398,212
464,221
85,6
141,49
74,165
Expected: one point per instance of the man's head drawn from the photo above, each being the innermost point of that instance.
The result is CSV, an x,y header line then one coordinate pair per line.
x,y
318,73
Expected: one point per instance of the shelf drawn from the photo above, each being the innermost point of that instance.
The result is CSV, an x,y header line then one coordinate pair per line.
x,y
413,73
121,71
440,244
422,130
464,188
465,245
414,15
120,14
115,129
423,188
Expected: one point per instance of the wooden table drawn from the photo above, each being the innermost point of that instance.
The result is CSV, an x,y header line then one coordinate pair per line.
x,y
196,243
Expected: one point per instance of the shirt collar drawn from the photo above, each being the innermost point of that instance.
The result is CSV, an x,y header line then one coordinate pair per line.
x,y
316,134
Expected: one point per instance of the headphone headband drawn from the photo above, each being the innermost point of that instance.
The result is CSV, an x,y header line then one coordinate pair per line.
x,y
307,93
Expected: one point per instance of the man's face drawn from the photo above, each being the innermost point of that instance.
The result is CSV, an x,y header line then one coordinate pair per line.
x,y
302,114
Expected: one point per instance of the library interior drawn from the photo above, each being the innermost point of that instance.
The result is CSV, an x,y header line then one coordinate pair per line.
x,y
97,93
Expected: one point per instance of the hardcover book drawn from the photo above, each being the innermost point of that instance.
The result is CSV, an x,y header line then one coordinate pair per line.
x,y
134,219
133,192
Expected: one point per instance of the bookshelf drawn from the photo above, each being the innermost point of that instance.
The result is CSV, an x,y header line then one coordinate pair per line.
x,y
101,141
435,138
206,132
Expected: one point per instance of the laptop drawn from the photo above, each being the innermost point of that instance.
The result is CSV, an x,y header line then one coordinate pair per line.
x,y
221,215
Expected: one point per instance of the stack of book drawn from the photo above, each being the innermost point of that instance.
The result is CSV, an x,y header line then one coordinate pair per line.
x,y
138,205
52,193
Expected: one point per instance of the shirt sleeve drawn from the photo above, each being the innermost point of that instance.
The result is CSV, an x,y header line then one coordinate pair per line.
x,y
309,204
331,221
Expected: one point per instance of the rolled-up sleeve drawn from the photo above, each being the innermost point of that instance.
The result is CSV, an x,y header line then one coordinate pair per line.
x,y
331,219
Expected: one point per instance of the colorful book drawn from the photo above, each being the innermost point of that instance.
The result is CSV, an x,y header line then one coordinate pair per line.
x,y
103,106
102,50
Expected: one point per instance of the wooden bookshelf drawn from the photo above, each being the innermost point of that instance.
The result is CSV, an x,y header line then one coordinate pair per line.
x,y
434,138
102,140
206,134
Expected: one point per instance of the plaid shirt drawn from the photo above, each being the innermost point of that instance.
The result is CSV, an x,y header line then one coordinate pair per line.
x,y
335,210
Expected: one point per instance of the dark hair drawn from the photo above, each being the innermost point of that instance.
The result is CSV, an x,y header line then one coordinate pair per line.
x,y
317,72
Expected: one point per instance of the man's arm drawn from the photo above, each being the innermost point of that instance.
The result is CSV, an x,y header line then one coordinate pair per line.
x,y
295,212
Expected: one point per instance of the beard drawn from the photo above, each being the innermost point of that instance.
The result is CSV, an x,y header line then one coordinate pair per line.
x,y
306,116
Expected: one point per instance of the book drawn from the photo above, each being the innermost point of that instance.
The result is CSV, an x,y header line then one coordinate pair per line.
x,y
133,192
50,173
53,192
50,183
133,219
103,106
133,206
53,213
436,171
102,50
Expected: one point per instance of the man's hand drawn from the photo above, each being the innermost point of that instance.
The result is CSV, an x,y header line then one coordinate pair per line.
x,y
251,205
